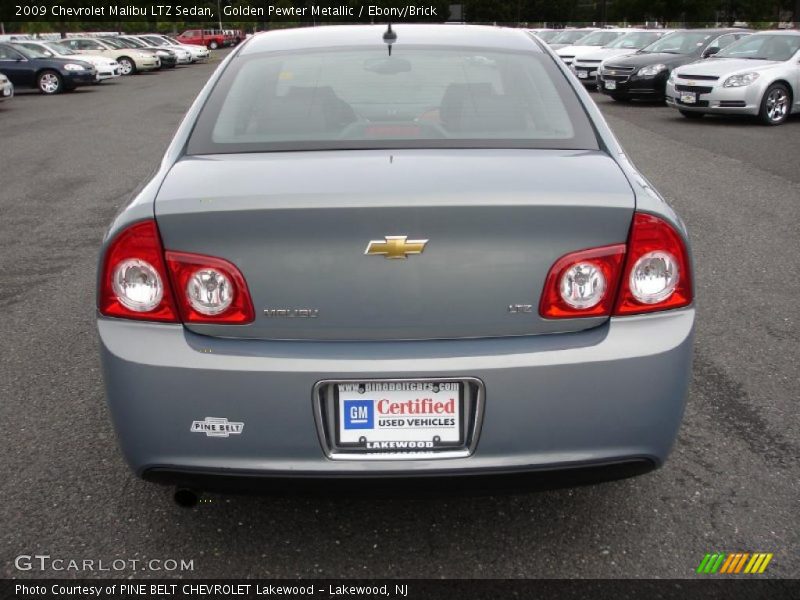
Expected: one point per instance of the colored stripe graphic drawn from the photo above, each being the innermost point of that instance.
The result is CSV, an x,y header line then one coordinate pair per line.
x,y
728,564
711,563
734,562
741,562
703,564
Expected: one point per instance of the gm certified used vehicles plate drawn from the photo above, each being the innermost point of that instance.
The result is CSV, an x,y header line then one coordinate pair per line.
x,y
374,252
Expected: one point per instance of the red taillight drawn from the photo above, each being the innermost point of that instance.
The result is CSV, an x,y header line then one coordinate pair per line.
x,y
138,283
209,289
134,282
657,274
583,283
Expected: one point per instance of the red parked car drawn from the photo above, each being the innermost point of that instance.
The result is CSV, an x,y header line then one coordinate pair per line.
x,y
210,38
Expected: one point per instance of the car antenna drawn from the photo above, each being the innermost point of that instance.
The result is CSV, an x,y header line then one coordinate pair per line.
x,y
389,37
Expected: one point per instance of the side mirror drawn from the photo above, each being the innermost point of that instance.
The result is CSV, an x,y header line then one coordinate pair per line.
x,y
711,51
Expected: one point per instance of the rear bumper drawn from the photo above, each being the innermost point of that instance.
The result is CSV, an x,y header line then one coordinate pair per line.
x,y
226,480
613,394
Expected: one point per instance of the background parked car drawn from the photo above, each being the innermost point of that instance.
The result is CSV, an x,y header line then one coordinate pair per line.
x,y
107,68
184,57
586,64
644,75
596,39
758,75
33,69
210,38
236,35
6,88
570,37
546,35
131,60
197,52
169,59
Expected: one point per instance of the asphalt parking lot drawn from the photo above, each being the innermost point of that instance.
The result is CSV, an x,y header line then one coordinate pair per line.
x,y
70,162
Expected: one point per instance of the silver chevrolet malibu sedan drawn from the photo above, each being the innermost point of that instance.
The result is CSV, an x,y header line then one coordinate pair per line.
x,y
394,252
758,75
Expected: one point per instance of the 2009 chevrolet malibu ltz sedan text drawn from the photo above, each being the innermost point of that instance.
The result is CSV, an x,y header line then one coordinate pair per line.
x,y
394,252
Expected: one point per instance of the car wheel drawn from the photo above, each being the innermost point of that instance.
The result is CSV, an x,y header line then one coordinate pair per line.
x,y
691,115
126,65
621,98
50,82
213,45
775,105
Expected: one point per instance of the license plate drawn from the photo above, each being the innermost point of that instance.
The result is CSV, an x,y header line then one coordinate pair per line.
x,y
402,416
611,85
583,74
689,98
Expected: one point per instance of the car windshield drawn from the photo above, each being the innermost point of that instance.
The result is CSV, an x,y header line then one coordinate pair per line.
x,y
171,40
116,43
547,36
35,48
681,42
599,38
134,43
634,41
32,51
763,47
60,48
420,97
570,36
153,41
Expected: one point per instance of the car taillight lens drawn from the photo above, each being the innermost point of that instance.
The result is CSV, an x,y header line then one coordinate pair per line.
x,y
209,289
134,282
138,283
656,275
583,283
657,269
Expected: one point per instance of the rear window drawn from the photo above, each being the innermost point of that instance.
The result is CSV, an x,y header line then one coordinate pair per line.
x,y
419,97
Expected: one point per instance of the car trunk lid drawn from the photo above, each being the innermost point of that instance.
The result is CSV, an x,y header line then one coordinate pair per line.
x,y
298,225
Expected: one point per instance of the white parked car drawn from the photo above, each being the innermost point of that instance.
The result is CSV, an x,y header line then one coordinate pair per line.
x,y
197,52
757,75
183,55
593,41
570,37
131,60
586,64
107,68
6,88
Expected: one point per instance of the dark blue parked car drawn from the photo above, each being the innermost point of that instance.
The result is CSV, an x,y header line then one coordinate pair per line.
x,y
30,68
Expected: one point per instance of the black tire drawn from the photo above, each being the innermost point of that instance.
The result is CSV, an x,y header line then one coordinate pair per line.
x,y
126,66
50,82
691,115
212,45
621,98
776,105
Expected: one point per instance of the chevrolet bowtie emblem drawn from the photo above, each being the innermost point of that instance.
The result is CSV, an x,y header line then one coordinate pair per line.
x,y
395,246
